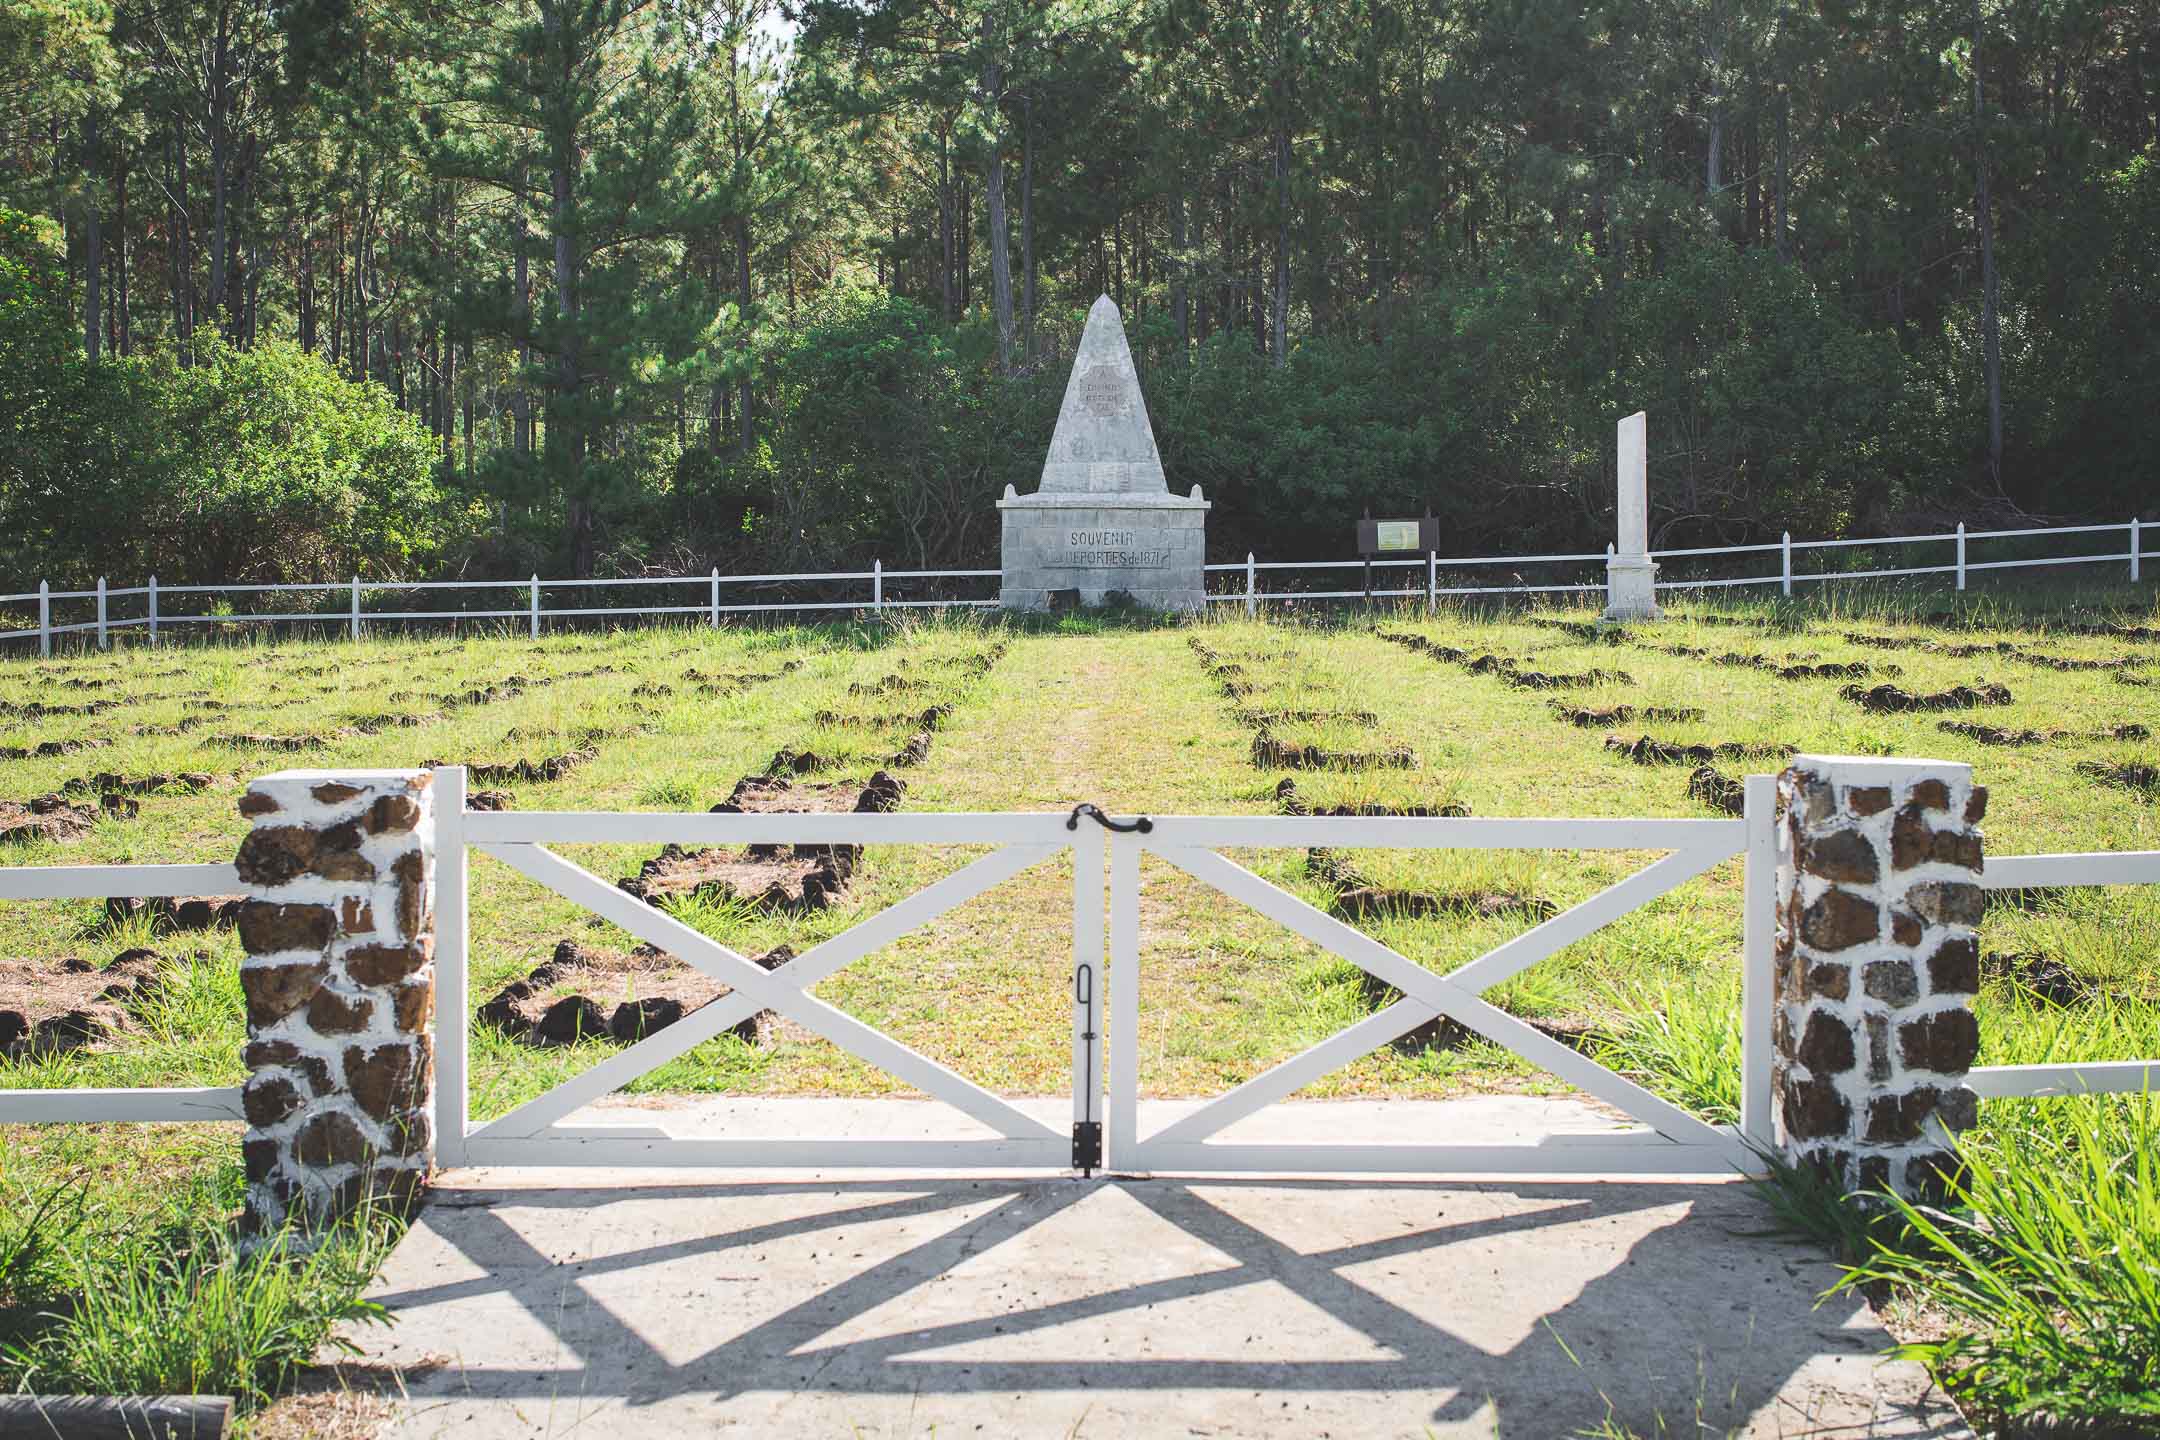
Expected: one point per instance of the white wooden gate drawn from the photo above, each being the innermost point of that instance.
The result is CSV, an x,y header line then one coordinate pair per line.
x,y
535,1133
538,1133
1675,1142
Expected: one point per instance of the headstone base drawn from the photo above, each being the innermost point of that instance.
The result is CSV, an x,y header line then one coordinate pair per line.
x,y
1152,548
1631,588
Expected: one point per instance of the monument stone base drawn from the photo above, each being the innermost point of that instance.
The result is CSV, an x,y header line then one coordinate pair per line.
x,y
1151,547
1631,588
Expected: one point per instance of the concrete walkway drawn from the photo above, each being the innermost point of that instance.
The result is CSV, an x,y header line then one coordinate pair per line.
x,y
657,1303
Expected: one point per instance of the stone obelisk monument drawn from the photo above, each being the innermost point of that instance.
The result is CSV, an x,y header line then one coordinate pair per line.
x,y
1630,573
1104,519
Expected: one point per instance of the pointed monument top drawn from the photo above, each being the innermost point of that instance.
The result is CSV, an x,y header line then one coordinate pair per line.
x,y
1103,443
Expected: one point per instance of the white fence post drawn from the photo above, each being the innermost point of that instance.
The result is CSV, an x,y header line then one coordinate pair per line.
x,y
1432,581
714,618
453,1013
102,642
535,611
877,586
356,607
153,609
2133,549
1785,555
44,618
1252,602
1961,555
1758,967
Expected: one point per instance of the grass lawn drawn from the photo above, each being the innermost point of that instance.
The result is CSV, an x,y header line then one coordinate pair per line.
x,y
1478,711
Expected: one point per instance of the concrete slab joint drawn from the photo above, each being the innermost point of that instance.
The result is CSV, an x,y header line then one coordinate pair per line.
x,y
339,928
1878,960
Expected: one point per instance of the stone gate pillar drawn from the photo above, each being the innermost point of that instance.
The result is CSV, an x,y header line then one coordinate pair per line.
x,y
1878,960
339,927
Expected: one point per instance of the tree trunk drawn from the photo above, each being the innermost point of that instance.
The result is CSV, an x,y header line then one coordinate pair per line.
x,y
220,162
93,243
1990,327
1180,296
1001,297
521,414
945,220
1279,326
123,321
1027,222
745,422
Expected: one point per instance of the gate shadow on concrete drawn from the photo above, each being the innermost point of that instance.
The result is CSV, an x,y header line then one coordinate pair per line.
x,y
1237,1304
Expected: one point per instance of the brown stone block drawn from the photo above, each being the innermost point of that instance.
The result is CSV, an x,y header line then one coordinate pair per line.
x,y
1873,1173
386,964
389,1078
355,916
261,1156
275,991
1946,1042
268,1100
412,1004
1896,1119
1814,799
275,854
410,1132
1826,1044
393,815
1813,1109
1948,902
331,1013
1954,968
267,928
265,1054
331,1138
1931,795
1906,929
1976,807
1829,980
1839,920
256,803
1930,1176
1865,800
412,894
1893,982
1845,856
334,792
1914,842
1957,1107
337,854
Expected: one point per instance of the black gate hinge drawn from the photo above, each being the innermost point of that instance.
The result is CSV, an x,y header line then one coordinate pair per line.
x,y
1087,1146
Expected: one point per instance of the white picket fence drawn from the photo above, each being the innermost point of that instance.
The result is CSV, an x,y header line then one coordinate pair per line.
x,y
548,1130
709,604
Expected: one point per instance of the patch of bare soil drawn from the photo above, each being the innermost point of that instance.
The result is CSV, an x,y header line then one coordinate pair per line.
x,y
1994,735
929,719
2141,682
48,749
38,710
287,743
1649,750
521,771
888,685
1357,898
1290,801
1269,753
489,800
1586,718
1891,700
1262,719
2144,779
176,912
1718,790
107,782
1784,670
2042,976
586,993
787,878
48,1007
51,817
1443,1033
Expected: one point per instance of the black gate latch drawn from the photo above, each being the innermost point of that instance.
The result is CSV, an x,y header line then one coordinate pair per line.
x,y
1087,1146
1095,813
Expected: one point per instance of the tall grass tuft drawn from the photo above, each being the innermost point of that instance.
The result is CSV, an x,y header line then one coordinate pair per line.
x,y
172,1307
1685,1045
2045,1265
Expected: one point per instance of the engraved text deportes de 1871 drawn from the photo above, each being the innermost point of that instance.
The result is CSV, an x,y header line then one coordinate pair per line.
x,y
1110,549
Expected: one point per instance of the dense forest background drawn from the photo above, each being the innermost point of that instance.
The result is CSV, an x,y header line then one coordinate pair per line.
x,y
485,287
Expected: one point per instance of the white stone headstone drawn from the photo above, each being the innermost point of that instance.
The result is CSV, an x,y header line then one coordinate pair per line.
x,y
1104,520
1630,573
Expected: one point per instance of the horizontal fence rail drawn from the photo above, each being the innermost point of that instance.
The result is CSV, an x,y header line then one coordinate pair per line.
x,y
713,595
2089,1077
148,1104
